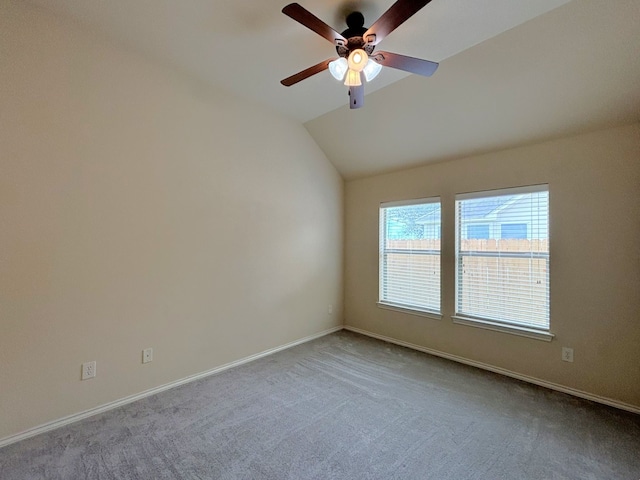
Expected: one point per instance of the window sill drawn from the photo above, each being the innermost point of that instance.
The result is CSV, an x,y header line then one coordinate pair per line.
x,y
410,311
501,327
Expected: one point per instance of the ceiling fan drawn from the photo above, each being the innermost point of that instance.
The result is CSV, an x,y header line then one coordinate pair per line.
x,y
357,60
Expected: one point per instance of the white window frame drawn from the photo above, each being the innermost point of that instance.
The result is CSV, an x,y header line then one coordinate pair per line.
x,y
383,252
503,324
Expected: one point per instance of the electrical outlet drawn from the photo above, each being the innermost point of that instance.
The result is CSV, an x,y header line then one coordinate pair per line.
x,y
330,309
147,355
567,354
88,370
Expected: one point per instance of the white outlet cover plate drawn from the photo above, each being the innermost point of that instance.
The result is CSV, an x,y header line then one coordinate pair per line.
x,y
147,355
88,370
567,354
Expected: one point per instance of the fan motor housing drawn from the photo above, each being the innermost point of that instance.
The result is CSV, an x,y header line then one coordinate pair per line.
x,y
355,24
354,35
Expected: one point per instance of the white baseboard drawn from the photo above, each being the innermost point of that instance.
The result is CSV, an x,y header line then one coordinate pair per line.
x,y
132,398
536,381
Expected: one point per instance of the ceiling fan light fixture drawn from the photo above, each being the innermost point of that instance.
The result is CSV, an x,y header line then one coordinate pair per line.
x,y
338,68
353,79
358,59
356,43
371,70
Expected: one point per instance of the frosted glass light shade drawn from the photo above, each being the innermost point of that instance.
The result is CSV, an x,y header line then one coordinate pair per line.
x,y
353,79
338,68
371,70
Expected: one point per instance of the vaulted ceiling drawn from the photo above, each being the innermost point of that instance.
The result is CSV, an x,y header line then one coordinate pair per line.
x,y
511,72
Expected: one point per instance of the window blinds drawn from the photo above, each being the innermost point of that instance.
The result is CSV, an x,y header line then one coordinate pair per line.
x,y
410,255
502,256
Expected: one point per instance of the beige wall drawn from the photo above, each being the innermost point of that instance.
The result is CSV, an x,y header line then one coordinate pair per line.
x,y
594,184
140,209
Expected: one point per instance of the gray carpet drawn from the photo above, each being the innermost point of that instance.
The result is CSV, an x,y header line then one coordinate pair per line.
x,y
342,407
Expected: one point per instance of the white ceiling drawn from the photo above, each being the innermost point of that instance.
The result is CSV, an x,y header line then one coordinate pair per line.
x,y
510,72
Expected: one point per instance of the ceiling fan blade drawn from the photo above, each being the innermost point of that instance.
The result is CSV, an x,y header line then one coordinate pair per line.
x,y
408,64
309,20
397,14
293,79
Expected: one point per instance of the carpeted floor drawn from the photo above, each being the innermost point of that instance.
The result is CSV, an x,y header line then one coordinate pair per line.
x,y
342,407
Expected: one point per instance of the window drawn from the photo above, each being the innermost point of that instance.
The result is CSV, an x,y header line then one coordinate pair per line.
x,y
477,231
513,230
410,255
503,279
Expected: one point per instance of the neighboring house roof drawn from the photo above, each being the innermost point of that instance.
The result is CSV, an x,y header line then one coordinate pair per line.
x,y
431,217
482,208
